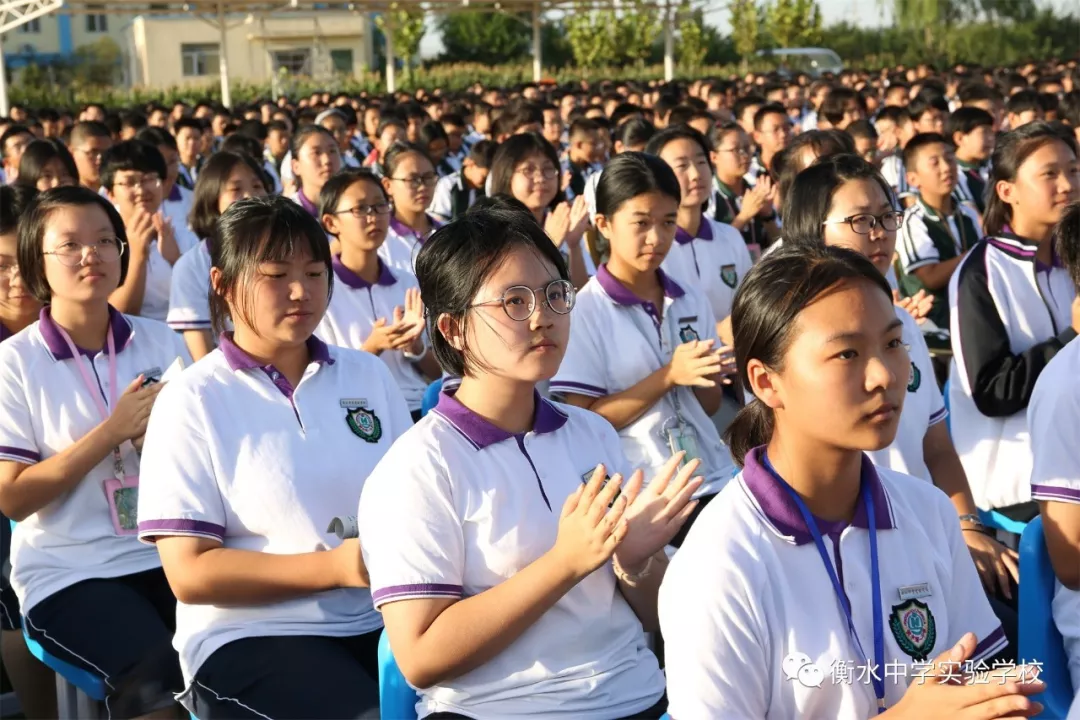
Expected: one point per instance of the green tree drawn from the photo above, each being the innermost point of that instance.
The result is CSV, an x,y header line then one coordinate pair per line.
x,y
637,26
408,31
489,38
554,45
692,44
793,23
99,63
745,27
933,18
592,41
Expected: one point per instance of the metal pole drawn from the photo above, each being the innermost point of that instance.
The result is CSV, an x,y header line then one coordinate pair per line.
x,y
223,56
388,34
538,60
669,43
4,108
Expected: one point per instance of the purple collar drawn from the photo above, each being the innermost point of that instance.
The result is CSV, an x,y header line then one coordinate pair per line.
x,y
4,332
404,230
58,348
175,195
307,204
781,512
482,433
624,296
351,279
240,360
704,233
1055,262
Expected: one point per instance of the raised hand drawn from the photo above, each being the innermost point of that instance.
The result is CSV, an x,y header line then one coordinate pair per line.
x,y
591,524
694,363
656,514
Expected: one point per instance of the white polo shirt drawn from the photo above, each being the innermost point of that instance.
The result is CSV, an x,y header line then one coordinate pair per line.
x,y
442,202
189,301
924,406
617,340
44,409
457,507
1055,477
715,260
177,208
748,588
352,313
402,244
234,453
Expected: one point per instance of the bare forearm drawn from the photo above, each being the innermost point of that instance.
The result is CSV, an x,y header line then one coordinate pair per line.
x,y
199,343
226,576
471,632
710,398
624,408
643,595
579,274
128,298
429,366
41,483
936,276
946,470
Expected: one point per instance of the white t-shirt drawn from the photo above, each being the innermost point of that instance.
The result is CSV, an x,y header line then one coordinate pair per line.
x,y
402,244
45,407
715,261
234,453
189,301
616,341
748,589
457,507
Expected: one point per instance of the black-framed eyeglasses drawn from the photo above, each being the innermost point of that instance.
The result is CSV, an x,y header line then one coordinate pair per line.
x,y
519,301
418,181
360,211
864,223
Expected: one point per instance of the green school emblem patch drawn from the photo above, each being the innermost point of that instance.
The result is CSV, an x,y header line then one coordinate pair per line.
x,y
688,334
364,423
729,275
914,629
914,379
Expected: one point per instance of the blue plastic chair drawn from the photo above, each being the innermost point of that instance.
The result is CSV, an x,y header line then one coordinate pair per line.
x,y
78,691
431,397
1039,636
397,699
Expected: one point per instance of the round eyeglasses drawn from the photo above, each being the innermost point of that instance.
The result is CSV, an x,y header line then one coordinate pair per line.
x,y
519,301
73,254
864,223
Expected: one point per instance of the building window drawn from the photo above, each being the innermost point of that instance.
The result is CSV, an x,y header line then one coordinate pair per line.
x,y
96,23
196,60
342,61
34,26
295,62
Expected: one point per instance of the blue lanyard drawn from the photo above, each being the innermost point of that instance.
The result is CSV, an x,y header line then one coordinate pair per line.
x,y
877,677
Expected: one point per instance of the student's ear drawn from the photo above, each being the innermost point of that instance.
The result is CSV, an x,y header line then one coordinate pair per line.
x,y
215,282
715,158
295,165
912,178
763,383
330,224
450,329
1006,191
602,225
386,186
756,137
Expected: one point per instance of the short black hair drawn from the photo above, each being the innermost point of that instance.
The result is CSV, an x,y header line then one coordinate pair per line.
x,y
335,187
34,222
631,174
636,131
1067,242
832,109
86,129
975,91
582,126
457,259
862,129
157,137
482,154
131,155
966,120
1023,101
14,200
134,120
745,102
917,143
927,100
208,188
765,110
189,123
244,145
40,153
398,152
516,150
1069,110
12,131
430,132
898,115
661,139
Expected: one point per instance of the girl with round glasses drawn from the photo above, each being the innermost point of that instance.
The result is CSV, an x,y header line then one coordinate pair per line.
x,y
375,307
76,390
844,201
749,210
514,557
409,180
643,350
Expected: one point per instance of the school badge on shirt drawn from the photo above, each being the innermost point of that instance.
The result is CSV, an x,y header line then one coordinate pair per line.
x,y
914,628
914,378
364,423
729,275
687,333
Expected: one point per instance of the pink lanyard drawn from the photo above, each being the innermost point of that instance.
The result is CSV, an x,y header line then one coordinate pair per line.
x,y
118,462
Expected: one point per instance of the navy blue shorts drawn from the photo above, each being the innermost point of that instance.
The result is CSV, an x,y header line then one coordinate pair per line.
x,y
292,676
120,629
9,603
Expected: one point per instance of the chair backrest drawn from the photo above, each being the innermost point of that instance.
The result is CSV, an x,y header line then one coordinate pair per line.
x,y
431,397
1039,636
397,699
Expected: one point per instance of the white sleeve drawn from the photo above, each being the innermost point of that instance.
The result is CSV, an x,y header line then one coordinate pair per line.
x,y
920,355
1052,415
400,417
915,246
189,303
179,493
410,532
717,666
582,369
973,216
441,207
17,441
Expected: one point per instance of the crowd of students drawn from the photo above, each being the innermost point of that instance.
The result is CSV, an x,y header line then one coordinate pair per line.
x,y
685,333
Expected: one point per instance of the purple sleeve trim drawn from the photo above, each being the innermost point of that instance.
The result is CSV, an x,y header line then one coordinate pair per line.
x,y
412,592
577,388
990,644
189,324
1055,493
181,527
19,455
938,416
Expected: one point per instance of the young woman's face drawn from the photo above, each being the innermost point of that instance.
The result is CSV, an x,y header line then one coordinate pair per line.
x,y
845,374
318,160
732,156
859,197
339,130
285,301
528,350
691,166
15,301
437,149
70,232
242,184
134,190
54,174
361,217
390,135
1045,184
412,183
641,231
535,182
